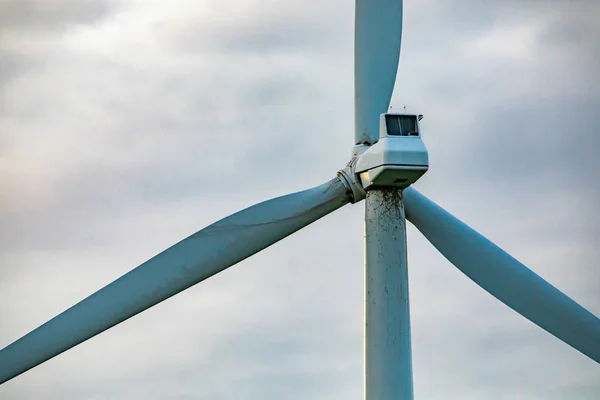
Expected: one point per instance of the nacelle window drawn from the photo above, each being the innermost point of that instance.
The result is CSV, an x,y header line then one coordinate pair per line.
x,y
401,125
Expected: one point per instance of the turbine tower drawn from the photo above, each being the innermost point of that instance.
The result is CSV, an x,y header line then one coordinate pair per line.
x,y
387,158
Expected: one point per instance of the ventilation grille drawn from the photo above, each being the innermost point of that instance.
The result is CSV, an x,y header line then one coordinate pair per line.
x,y
401,125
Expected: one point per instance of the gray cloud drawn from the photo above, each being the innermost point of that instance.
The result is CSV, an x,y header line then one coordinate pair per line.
x,y
28,30
279,28
39,15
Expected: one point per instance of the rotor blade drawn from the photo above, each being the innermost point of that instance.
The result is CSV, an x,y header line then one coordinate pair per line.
x,y
504,277
377,37
190,261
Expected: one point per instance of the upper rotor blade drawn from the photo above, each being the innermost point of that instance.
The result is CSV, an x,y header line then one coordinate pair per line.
x,y
190,261
377,37
504,277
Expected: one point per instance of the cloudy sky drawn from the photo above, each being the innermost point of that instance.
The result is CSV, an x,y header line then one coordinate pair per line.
x,y
128,125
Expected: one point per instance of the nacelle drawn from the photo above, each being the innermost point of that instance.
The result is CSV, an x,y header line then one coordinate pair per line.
x,y
399,158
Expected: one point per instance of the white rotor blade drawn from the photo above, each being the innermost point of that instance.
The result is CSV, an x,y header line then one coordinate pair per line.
x,y
190,261
504,277
377,37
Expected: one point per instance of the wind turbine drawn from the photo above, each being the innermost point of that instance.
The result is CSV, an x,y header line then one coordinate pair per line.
x,y
387,158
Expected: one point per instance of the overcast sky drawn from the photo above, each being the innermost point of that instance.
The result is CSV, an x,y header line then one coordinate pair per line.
x,y
128,125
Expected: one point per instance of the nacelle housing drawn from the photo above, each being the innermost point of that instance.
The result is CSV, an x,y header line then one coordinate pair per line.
x,y
399,158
